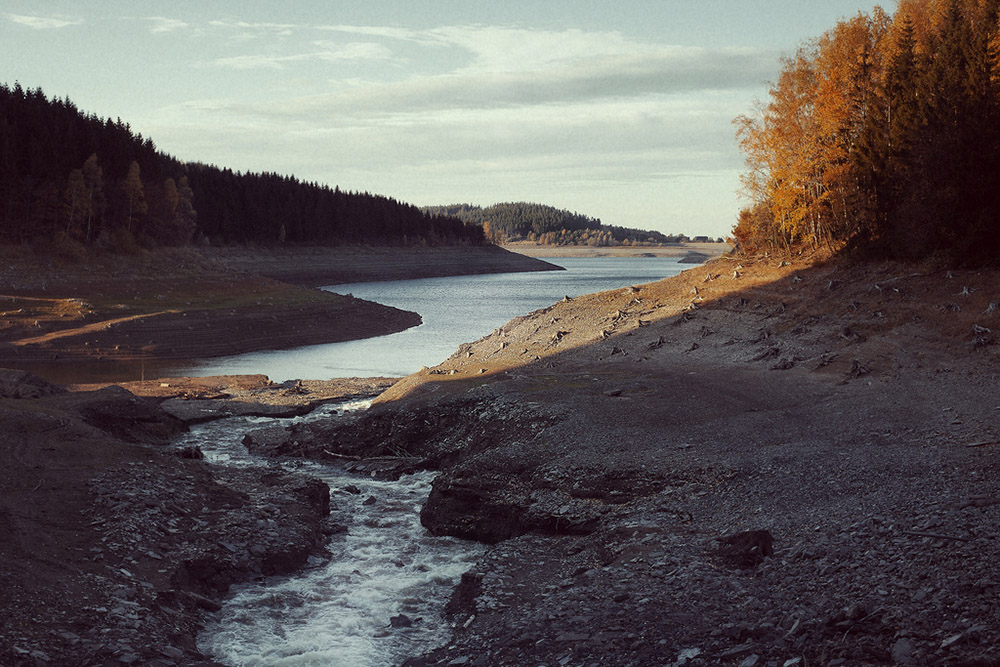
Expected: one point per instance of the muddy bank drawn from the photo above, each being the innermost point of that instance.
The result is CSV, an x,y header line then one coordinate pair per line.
x,y
107,315
114,544
110,312
752,463
316,267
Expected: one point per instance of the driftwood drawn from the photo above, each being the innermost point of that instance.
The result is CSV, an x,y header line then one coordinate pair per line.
x,y
936,536
368,458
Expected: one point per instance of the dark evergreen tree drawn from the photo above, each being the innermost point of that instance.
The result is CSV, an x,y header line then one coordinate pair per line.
x,y
96,180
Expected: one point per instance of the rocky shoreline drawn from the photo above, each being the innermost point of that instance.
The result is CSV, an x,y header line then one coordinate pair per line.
x,y
767,462
116,544
316,267
758,462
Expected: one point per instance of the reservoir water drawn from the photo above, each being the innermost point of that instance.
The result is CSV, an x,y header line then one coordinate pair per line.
x,y
455,310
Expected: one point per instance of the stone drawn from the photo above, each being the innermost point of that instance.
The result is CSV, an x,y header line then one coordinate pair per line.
x,y
401,621
736,652
746,549
902,651
172,652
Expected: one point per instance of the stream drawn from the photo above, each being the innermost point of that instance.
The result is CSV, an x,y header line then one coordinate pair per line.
x,y
337,612
386,565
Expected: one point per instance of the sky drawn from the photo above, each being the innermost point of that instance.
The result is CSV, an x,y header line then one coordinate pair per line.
x,y
618,110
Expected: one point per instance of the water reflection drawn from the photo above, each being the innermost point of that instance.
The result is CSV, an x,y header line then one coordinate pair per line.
x,y
455,310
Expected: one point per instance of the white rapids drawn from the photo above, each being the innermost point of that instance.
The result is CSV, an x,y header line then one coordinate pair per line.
x,y
338,612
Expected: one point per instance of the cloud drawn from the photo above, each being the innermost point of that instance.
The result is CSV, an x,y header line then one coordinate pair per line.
x,y
506,112
162,24
246,27
325,52
44,22
623,76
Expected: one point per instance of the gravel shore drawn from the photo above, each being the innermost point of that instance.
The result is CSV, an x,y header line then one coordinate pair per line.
x,y
764,462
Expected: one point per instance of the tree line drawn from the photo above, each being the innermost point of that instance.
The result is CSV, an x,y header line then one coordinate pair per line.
x,y
72,178
882,136
524,221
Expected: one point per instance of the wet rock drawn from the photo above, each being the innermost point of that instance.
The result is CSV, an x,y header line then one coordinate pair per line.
x,y
401,621
21,384
193,452
463,598
124,415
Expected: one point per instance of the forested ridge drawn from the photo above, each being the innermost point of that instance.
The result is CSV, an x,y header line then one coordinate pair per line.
x,y
524,221
73,179
883,136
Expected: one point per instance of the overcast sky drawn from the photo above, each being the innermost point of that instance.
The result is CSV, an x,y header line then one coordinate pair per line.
x,y
619,110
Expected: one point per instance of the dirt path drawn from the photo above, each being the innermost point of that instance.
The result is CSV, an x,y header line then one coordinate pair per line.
x,y
87,329
170,305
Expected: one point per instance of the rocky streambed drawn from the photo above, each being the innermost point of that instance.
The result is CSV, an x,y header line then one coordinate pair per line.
x,y
377,595
115,543
153,537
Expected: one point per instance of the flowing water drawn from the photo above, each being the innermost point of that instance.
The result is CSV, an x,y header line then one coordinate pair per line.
x,y
455,310
338,612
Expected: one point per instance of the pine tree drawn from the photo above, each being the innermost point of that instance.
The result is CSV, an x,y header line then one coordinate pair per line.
x,y
77,202
135,197
185,217
93,178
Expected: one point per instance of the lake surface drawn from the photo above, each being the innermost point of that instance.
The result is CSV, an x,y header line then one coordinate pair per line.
x,y
455,310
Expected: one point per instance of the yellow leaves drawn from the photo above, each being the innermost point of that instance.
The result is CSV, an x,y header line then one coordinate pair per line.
x,y
799,145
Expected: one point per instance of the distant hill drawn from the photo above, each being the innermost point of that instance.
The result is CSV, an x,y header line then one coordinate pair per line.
x,y
68,177
523,221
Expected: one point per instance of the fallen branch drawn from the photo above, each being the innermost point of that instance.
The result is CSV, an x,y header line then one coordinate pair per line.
x,y
936,536
985,443
341,456
399,457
